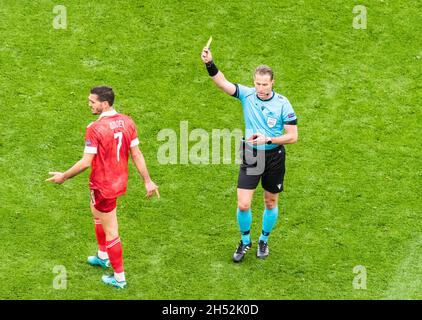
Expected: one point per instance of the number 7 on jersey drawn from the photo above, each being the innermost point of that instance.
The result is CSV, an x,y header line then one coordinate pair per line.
x,y
118,135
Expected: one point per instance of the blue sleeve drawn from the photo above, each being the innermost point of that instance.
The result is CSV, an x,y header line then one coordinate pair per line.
x,y
241,91
288,115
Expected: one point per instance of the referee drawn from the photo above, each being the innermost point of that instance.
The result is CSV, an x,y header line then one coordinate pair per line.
x,y
270,123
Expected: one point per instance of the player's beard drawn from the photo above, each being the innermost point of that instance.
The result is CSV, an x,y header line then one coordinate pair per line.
x,y
96,111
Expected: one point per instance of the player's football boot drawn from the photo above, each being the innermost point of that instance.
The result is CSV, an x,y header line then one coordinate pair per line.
x,y
95,261
241,251
111,280
263,250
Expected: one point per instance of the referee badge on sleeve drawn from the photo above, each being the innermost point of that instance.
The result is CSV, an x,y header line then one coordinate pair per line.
x,y
271,122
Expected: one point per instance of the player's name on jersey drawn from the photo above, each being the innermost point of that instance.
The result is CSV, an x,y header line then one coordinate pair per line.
x,y
117,124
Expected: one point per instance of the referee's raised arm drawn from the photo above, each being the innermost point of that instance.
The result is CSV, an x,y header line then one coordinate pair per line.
x,y
216,75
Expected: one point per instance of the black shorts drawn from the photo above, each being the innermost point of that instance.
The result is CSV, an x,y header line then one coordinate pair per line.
x,y
266,164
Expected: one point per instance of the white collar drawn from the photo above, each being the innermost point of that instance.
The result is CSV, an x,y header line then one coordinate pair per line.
x,y
108,113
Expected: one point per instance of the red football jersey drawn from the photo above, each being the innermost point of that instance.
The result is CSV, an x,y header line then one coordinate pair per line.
x,y
110,139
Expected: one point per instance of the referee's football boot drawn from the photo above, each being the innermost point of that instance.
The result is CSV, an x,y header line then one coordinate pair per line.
x,y
262,252
241,251
96,261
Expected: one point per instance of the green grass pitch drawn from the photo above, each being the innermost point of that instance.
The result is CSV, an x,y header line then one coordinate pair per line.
x,y
352,187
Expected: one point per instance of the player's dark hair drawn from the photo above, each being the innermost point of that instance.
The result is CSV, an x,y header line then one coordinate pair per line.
x,y
104,94
263,69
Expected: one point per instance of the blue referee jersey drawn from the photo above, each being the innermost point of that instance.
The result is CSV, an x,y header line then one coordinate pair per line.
x,y
267,117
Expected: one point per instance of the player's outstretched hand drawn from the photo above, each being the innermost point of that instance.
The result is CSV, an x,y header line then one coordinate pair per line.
x,y
151,189
57,177
206,55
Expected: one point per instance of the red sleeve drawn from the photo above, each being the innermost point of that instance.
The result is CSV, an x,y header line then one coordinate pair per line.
x,y
91,140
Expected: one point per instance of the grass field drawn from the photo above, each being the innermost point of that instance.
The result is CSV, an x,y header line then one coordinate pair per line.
x,y
353,181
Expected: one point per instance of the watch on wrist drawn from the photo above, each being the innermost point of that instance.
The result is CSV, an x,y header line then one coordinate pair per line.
x,y
269,141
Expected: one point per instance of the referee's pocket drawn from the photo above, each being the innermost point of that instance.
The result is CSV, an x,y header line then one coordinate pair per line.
x,y
282,151
248,155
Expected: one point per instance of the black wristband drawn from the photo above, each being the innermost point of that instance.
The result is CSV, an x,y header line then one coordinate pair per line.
x,y
211,68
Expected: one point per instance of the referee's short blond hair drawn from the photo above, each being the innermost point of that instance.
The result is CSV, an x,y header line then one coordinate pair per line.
x,y
263,70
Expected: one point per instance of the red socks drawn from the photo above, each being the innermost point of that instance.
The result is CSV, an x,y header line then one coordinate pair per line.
x,y
101,237
111,248
114,250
